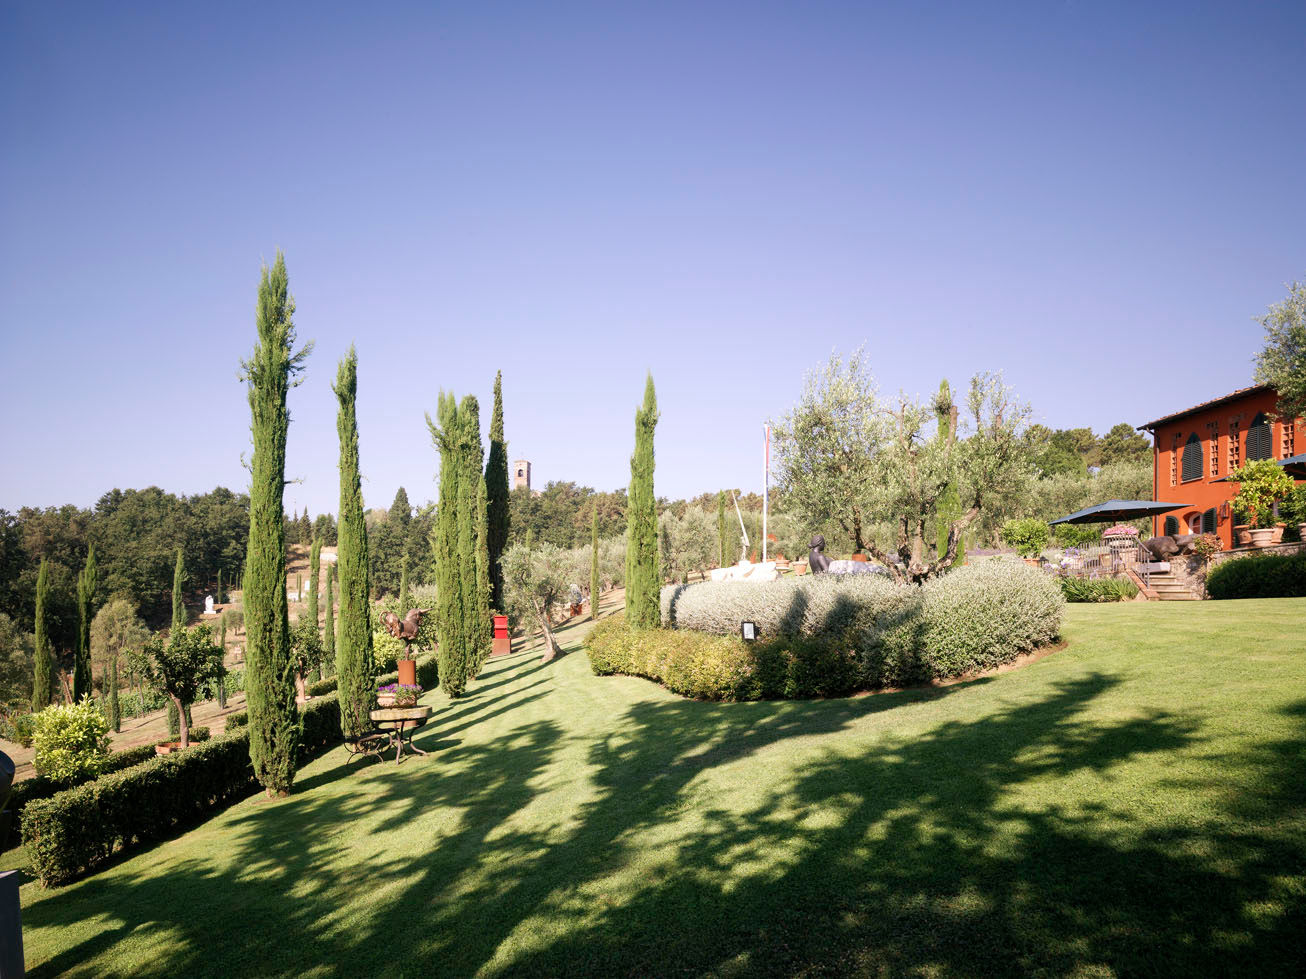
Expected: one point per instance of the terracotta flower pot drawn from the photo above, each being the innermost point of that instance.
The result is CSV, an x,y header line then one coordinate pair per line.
x,y
1279,528
1242,534
167,749
386,699
1262,536
861,558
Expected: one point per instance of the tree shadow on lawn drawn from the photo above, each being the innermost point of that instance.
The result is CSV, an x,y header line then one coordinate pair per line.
x,y
917,856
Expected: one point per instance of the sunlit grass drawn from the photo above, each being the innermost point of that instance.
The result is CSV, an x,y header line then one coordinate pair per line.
x,y
1132,803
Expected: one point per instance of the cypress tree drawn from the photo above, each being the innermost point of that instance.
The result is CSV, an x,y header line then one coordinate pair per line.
x,y
328,665
269,686
948,508
178,623
42,661
403,585
468,524
643,580
496,497
721,531
444,546
220,684
115,710
595,583
314,574
354,664
87,582
484,633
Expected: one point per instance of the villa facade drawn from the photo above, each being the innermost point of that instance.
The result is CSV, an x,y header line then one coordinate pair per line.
x,y
1195,449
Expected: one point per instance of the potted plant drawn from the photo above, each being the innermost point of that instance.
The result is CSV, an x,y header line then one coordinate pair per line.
x,y
1261,484
1293,509
1121,535
398,694
1028,536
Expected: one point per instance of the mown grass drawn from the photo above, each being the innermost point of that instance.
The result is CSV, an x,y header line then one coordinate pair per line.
x,y
1132,803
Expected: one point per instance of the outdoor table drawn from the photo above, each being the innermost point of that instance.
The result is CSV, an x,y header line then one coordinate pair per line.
x,y
397,720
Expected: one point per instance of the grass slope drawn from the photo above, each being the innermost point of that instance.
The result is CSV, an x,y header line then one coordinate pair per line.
x,y
1133,803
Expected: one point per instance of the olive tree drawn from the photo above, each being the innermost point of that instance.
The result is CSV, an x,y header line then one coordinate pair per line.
x,y
1282,362
535,580
847,454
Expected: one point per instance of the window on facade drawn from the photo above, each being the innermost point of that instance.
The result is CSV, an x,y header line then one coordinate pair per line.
x,y
1259,445
1171,526
1192,464
1209,521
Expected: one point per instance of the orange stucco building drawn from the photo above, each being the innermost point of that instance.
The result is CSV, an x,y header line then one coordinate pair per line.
x,y
1194,448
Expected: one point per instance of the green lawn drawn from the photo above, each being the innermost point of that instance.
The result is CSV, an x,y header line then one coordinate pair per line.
x,y
1133,803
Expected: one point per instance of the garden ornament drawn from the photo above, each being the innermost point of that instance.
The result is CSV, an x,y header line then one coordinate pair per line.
x,y
407,629
817,562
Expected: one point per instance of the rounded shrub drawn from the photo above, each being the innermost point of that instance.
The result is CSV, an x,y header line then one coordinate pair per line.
x,y
1259,576
986,614
71,741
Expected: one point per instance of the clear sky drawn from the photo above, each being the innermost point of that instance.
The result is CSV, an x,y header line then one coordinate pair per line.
x,y
1096,198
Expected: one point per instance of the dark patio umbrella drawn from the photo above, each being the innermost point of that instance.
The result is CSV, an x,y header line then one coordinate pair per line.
x,y
1119,510
1294,466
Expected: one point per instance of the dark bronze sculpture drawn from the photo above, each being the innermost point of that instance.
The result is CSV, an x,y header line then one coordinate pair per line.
x,y
817,562
407,629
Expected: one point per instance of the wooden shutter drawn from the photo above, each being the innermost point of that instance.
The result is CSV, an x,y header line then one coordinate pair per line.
x,y
1259,439
1171,526
1192,463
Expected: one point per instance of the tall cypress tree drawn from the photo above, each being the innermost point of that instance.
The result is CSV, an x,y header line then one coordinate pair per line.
x,y
354,662
314,573
87,582
218,596
444,545
595,583
178,623
496,497
403,584
220,682
643,580
328,666
269,685
42,661
722,533
469,478
484,631
115,709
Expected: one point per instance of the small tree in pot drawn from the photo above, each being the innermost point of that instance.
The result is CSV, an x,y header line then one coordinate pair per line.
x,y
178,669
1261,484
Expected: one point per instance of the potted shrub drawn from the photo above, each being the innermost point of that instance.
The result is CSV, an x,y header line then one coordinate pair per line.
x,y
1293,509
1261,484
1028,536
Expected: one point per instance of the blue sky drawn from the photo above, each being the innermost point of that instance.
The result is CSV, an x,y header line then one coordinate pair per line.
x,y
1096,198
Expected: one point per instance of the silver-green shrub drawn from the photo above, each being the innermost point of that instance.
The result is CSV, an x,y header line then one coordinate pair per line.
x,y
973,618
986,614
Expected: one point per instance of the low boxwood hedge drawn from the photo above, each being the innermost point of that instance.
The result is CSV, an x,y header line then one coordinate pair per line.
x,y
1259,576
41,787
79,829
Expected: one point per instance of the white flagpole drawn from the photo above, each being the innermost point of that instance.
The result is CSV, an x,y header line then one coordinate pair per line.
x,y
766,485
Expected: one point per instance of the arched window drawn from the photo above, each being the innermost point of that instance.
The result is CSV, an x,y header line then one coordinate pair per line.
x,y
1259,440
1209,521
1171,526
1193,461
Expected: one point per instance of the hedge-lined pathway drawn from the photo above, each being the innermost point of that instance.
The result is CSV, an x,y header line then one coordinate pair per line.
x,y
1133,803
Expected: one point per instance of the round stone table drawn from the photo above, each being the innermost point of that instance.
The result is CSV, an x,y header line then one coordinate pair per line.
x,y
397,720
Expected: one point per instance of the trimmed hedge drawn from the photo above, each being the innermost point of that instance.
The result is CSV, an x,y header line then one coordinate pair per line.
x,y
40,787
79,829
974,618
1098,589
708,667
1259,576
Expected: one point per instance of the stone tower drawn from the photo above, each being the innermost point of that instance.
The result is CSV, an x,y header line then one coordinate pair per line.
x,y
521,474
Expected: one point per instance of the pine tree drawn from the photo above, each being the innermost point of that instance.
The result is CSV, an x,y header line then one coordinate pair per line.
x,y
43,661
401,511
496,497
948,508
354,663
87,582
722,529
328,665
595,583
115,709
178,623
305,528
403,585
269,686
643,578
